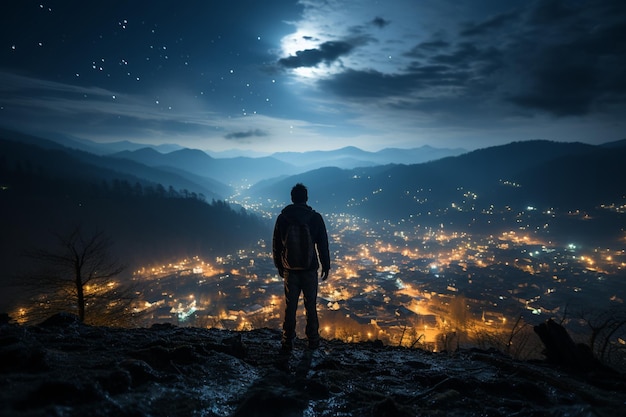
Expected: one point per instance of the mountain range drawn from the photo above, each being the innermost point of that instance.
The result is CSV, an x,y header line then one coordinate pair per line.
x,y
462,189
488,188
384,184
545,172
245,170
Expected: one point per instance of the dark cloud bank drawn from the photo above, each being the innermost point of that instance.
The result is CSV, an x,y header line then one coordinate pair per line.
x,y
553,57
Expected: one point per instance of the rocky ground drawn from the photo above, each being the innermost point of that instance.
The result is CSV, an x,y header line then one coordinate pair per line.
x,y
64,368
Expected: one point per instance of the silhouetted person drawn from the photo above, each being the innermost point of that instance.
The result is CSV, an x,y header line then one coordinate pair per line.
x,y
295,223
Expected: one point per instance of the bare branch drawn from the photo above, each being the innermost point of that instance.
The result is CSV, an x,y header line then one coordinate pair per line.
x,y
79,268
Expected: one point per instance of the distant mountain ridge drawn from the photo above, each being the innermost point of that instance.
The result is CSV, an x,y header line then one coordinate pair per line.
x,y
346,157
531,164
238,170
469,189
483,169
107,147
234,171
64,162
355,157
615,144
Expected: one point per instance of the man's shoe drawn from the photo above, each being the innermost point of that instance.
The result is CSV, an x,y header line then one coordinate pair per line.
x,y
314,344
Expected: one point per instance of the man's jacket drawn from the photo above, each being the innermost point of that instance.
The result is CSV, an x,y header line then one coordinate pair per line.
x,y
301,212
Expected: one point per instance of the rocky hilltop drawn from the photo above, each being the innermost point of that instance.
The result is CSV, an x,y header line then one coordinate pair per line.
x,y
64,368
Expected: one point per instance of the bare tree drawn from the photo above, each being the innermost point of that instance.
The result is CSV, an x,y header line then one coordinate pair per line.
x,y
608,332
78,274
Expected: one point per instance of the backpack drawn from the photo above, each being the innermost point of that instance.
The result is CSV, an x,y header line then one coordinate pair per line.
x,y
298,247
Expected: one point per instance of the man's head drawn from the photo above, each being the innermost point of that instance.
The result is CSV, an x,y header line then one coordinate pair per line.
x,y
299,194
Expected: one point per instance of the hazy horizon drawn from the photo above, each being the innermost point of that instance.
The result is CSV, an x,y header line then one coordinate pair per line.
x,y
168,147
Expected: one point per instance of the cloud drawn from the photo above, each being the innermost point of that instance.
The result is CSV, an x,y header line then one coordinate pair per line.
x,y
11,83
460,72
424,49
242,136
548,12
470,55
550,58
36,103
579,69
367,83
327,52
380,22
499,21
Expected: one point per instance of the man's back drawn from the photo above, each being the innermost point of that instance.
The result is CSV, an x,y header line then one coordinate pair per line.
x,y
301,214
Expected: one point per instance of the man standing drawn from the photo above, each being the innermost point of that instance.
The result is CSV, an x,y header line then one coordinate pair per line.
x,y
297,258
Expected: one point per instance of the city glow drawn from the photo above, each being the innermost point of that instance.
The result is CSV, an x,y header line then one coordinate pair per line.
x,y
415,287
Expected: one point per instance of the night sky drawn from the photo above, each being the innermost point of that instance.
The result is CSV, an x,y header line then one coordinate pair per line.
x,y
280,75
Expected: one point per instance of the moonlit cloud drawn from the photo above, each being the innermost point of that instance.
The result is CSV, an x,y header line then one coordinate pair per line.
x,y
326,53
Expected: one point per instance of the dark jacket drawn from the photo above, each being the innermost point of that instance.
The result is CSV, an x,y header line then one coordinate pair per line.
x,y
301,212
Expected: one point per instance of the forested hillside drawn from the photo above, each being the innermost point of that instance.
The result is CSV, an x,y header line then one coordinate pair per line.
x,y
44,192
